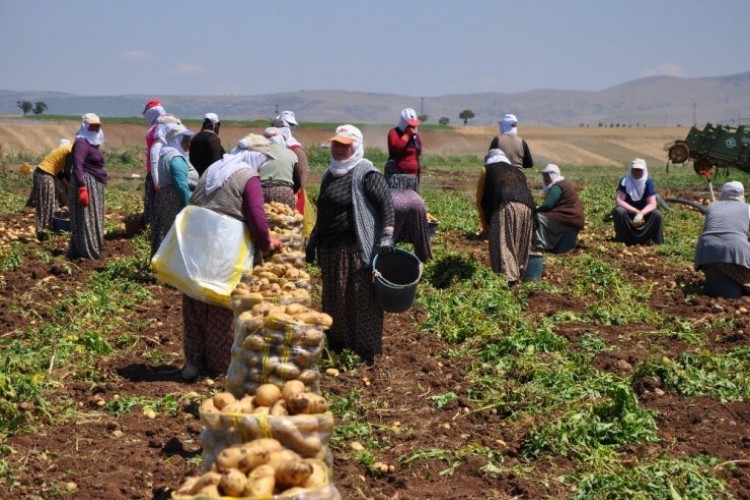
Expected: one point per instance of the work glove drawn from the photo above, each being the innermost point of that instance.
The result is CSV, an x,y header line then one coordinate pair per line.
x,y
386,245
638,220
83,196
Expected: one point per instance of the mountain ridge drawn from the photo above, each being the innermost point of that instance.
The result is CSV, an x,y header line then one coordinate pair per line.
x,y
648,101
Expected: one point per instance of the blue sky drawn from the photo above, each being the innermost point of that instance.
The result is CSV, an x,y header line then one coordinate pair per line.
x,y
419,47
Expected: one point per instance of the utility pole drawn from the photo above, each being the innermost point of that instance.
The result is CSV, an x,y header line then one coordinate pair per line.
x,y
695,105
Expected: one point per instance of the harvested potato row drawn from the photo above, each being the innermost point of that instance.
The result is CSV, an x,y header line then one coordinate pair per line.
x,y
275,270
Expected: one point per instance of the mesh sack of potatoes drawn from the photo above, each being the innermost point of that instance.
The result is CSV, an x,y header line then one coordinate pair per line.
x,y
243,299
261,468
297,419
274,343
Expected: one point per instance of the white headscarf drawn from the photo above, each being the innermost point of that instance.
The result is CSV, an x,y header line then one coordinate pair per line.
x,y
732,191
274,135
173,134
153,114
339,168
221,170
495,156
93,138
509,125
554,175
286,122
635,187
408,116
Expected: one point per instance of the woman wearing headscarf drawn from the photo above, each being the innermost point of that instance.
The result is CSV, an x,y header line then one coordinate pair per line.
x,y
286,122
723,245
155,141
514,147
86,190
506,212
230,186
354,223
48,185
151,113
637,220
560,214
277,176
177,177
205,146
404,149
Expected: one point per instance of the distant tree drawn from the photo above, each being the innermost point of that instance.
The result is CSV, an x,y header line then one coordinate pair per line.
x,y
601,124
422,118
444,120
466,115
25,106
39,108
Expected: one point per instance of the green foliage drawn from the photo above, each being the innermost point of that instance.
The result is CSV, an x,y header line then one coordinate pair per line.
x,y
615,420
725,376
662,478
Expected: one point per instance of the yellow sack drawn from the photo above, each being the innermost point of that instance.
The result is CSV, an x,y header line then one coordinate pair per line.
x,y
308,223
204,254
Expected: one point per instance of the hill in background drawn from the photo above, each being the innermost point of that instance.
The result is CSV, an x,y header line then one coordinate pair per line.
x,y
655,101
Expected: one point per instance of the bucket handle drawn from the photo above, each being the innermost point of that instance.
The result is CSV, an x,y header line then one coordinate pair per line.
x,y
375,275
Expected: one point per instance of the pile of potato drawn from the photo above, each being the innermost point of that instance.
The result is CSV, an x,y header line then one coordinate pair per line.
x,y
267,435
274,344
299,420
260,469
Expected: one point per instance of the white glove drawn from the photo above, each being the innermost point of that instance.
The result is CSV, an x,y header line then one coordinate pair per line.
x,y
638,220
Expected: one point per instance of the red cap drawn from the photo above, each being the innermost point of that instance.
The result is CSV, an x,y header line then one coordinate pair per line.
x,y
150,104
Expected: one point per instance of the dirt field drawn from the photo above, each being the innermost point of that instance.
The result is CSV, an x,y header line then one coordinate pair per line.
x,y
564,146
97,454
131,456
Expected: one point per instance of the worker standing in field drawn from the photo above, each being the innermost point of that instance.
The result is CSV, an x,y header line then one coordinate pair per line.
x,y
286,121
86,191
151,113
514,147
403,169
205,147
49,188
354,223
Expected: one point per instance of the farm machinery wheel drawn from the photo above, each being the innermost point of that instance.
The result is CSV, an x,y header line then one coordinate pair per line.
x,y
678,152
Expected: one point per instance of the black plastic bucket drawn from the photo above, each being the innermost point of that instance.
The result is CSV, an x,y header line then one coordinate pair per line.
x,y
61,222
396,277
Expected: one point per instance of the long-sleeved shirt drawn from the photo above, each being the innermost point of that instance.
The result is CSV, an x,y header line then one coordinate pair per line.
x,y
404,152
87,159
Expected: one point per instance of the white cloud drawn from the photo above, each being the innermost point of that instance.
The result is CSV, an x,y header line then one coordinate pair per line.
x,y
667,69
185,69
138,55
